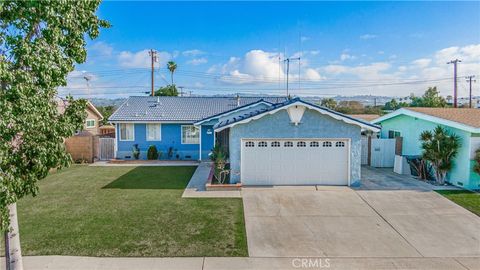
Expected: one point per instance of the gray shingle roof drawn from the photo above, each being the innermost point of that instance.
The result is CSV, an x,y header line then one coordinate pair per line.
x,y
180,108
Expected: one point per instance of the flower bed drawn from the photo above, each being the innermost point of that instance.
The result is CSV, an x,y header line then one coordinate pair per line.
x,y
212,185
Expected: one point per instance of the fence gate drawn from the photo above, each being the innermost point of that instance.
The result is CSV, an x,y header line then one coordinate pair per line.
x,y
383,153
107,148
364,150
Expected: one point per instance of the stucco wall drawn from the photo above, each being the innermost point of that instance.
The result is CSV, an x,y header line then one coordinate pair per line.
x,y
171,136
313,125
411,128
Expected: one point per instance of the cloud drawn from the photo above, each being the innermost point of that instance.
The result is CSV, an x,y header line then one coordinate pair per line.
x,y
422,62
314,52
101,49
368,36
304,38
141,59
197,61
312,75
191,53
346,56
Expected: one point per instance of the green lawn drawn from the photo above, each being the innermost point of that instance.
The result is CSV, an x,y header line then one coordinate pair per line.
x,y
128,211
467,199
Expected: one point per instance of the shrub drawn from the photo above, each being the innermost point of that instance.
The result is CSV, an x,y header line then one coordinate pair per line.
x,y
136,151
152,153
476,167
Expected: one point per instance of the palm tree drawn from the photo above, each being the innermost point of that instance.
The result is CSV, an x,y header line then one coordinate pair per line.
x,y
172,66
440,148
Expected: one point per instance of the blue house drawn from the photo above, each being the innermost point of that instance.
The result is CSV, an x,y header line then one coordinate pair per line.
x,y
269,141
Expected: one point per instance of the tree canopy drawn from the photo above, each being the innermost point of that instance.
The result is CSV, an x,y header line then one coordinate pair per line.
x,y
169,90
329,103
40,42
431,98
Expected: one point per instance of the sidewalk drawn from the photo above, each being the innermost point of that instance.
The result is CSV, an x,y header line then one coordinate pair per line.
x,y
242,263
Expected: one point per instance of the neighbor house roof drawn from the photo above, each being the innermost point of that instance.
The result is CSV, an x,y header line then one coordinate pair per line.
x,y
180,109
365,117
256,114
462,118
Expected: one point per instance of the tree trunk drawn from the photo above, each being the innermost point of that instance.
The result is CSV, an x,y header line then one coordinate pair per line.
x,y
13,241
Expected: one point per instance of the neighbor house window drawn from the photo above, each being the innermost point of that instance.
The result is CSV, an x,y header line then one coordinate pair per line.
x,y
392,134
126,132
190,135
90,123
154,132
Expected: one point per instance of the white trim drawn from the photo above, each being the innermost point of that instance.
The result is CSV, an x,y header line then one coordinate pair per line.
x,y
427,117
95,110
232,111
146,132
115,145
333,115
120,133
86,123
181,134
200,144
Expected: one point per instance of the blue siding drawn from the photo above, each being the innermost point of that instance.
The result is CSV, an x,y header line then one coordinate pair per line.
x,y
314,125
171,137
207,141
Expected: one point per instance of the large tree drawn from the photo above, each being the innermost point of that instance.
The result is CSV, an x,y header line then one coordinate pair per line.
x,y
329,103
431,98
172,66
40,42
169,90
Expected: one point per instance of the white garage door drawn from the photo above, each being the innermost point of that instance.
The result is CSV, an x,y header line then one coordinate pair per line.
x,y
295,162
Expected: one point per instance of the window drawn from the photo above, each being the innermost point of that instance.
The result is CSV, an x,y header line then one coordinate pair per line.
x,y
190,135
288,144
154,132
301,144
126,132
327,144
339,144
249,144
392,134
262,144
314,144
275,144
90,123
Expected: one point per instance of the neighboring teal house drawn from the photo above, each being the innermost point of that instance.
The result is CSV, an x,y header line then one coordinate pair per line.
x,y
409,123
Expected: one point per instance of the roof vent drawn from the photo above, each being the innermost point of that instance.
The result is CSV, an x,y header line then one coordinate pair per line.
x,y
158,100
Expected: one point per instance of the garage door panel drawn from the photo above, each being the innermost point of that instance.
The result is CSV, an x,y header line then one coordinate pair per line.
x,y
294,162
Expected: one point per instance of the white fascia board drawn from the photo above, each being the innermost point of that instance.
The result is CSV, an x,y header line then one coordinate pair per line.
x,y
429,118
333,115
230,112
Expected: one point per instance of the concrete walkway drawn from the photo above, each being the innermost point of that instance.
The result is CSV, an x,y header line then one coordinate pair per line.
x,y
386,179
242,263
196,186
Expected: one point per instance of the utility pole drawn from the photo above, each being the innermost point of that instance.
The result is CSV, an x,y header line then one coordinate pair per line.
x,y
181,90
153,57
470,80
455,62
288,68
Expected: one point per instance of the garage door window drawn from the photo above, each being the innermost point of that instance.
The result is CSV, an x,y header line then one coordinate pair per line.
x,y
275,144
327,144
301,144
339,144
314,144
288,144
249,144
262,144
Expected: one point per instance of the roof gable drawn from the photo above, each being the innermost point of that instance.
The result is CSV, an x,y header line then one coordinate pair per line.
x,y
277,107
460,118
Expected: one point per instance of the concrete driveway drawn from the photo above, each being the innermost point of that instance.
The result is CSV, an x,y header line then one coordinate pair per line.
x,y
341,222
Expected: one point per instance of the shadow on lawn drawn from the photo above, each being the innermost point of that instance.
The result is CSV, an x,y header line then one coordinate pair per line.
x,y
154,178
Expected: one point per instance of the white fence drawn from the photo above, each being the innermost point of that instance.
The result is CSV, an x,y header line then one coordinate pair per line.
x,y
382,152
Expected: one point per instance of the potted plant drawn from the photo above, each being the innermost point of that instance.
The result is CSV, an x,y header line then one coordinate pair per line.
x,y
136,151
152,153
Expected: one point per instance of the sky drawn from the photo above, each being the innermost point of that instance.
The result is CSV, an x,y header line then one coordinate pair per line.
x,y
345,48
